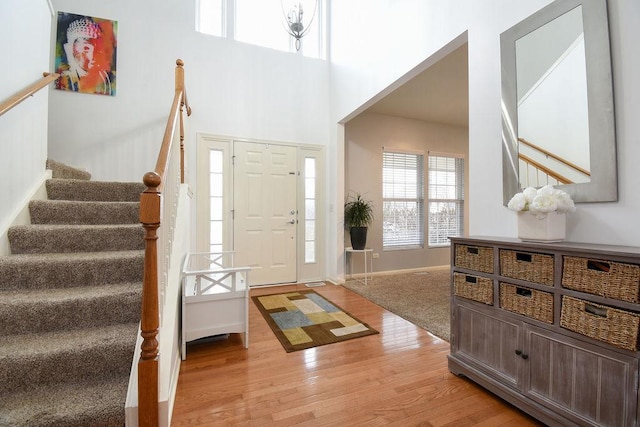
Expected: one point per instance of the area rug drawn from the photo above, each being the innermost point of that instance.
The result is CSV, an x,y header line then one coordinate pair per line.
x,y
304,319
422,298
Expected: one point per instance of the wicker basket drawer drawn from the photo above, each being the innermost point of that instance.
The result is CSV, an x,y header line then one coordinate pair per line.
x,y
479,258
528,302
473,287
529,266
611,325
605,278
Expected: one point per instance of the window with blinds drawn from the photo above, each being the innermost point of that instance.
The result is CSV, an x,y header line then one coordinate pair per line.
x,y
402,201
445,198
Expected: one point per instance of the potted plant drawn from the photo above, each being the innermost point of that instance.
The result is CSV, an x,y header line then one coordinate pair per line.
x,y
358,214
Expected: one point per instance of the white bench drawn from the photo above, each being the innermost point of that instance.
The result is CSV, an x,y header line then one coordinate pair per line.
x,y
215,297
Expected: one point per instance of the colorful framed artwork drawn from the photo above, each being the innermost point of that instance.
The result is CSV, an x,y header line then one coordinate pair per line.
x,y
86,54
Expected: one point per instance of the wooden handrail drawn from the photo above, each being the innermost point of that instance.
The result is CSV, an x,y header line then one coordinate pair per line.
x,y
151,208
555,157
25,93
561,179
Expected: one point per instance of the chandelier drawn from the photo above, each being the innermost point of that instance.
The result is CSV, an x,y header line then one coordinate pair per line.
x,y
295,22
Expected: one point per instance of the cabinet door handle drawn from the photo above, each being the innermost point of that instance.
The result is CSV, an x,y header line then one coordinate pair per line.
x,y
518,352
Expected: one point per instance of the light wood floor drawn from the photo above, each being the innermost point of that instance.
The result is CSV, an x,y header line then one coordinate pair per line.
x,y
396,378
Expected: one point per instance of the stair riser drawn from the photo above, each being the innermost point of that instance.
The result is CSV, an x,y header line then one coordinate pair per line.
x,y
50,274
84,364
34,239
68,212
62,171
69,314
63,189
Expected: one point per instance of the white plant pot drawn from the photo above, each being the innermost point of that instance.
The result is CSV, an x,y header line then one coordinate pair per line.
x,y
551,228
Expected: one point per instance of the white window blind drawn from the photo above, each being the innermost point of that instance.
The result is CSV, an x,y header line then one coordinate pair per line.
x,y
446,198
402,200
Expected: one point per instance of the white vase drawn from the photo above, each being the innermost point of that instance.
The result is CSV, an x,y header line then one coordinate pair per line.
x,y
551,228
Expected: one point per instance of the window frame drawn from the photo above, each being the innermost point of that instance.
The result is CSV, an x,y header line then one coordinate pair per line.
x,y
229,24
418,240
459,200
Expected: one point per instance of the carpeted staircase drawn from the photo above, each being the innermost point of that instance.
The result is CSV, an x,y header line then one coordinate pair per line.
x,y
70,295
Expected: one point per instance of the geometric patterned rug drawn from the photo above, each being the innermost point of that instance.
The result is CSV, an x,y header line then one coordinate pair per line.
x,y
304,319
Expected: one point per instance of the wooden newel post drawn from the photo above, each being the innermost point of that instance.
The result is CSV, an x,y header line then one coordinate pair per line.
x,y
150,322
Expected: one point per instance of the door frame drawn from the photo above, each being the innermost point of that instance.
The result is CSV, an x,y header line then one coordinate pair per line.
x,y
305,271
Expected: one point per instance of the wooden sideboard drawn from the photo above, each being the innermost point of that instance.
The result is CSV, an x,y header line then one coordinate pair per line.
x,y
552,328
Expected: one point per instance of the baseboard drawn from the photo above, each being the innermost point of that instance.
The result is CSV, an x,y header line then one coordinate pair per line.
x,y
21,214
334,281
173,390
404,271
131,402
412,270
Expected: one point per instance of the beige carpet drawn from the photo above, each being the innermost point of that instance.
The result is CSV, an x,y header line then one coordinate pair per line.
x,y
422,298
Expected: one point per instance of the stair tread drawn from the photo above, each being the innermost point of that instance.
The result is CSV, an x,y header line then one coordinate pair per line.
x,y
102,203
74,226
70,269
75,238
84,212
67,256
62,170
96,183
32,345
70,404
53,295
75,189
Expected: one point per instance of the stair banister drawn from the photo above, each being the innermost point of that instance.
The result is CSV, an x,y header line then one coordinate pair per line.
x,y
546,171
25,93
158,205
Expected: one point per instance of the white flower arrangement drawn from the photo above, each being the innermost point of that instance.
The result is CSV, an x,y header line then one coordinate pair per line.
x,y
542,201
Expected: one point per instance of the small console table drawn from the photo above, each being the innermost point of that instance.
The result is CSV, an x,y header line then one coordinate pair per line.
x,y
368,266
215,297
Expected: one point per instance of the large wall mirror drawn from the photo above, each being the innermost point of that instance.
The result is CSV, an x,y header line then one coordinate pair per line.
x,y
557,102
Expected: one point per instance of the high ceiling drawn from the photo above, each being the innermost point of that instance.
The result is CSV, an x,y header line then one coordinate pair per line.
x,y
438,94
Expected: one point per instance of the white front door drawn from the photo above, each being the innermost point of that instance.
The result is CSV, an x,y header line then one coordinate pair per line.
x,y
265,211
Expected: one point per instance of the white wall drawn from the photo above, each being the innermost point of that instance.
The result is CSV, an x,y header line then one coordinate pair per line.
x,y
23,130
233,88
